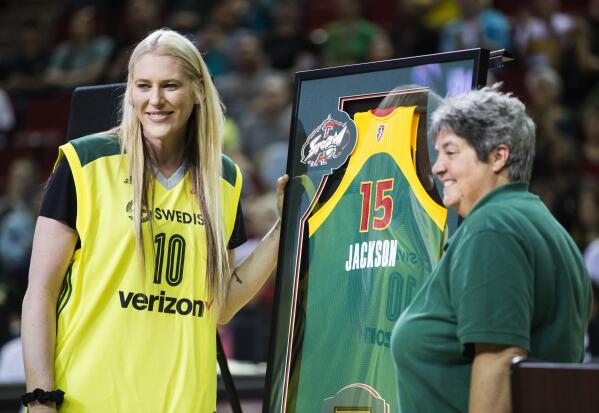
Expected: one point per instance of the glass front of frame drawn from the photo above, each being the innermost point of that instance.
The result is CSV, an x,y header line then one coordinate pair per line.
x,y
363,226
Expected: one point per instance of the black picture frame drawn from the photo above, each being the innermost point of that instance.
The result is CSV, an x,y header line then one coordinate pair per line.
x,y
318,93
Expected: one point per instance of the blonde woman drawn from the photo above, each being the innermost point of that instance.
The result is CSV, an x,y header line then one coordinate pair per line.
x,y
132,266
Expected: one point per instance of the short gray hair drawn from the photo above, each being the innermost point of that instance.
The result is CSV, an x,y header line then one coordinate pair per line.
x,y
487,118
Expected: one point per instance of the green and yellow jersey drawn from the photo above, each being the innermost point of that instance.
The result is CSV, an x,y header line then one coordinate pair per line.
x,y
371,246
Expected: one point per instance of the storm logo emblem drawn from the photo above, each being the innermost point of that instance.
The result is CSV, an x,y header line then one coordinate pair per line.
x,y
328,141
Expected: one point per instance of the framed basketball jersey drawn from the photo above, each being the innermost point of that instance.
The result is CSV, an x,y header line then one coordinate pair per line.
x,y
363,227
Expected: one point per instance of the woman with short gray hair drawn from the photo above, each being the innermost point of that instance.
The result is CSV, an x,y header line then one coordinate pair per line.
x,y
512,281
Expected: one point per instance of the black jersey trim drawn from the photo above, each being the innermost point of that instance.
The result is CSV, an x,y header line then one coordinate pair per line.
x,y
239,234
66,291
92,147
60,196
229,170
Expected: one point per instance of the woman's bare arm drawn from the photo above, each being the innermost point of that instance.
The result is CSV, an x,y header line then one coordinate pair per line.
x,y
53,246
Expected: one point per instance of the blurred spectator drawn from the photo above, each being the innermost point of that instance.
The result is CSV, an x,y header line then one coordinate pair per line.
x,y
139,17
586,43
104,7
590,139
16,238
591,258
348,36
477,26
7,118
258,15
587,39
26,65
17,222
11,362
380,48
287,43
18,209
556,160
212,43
231,138
555,145
238,88
215,38
232,148
586,228
184,21
410,34
251,15
543,33
271,163
432,14
258,213
82,58
223,33
21,188
438,12
268,118
201,8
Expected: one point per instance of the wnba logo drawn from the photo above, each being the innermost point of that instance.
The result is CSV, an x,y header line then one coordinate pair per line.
x,y
379,132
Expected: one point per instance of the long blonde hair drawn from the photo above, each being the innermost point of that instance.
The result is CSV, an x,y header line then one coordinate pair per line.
x,y
202,152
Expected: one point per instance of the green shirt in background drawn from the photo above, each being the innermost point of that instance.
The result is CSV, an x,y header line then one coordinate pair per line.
x,y
511,275
70,56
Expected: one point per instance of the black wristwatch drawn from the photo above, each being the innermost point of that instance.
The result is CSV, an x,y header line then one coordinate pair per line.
x,y
42,396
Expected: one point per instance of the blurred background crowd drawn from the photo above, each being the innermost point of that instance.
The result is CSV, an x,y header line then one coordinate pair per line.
x,y
253,48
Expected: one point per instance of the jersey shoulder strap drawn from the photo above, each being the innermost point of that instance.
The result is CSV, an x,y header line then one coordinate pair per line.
x,y
92,147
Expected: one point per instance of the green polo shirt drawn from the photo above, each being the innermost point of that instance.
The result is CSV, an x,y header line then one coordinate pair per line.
x,y
510,275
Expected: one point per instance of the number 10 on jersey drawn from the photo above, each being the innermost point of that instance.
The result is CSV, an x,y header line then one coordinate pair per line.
x,y
382,201
175,259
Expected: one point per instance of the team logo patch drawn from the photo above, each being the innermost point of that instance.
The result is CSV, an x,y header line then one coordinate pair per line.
x,y
326,143
379,132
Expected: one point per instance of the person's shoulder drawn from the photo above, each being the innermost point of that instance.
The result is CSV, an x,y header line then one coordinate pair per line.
x,y
509,213
92,147
230,171
491,211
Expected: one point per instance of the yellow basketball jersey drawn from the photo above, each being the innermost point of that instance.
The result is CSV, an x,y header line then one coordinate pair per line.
x,y
127,342
372,244
374,137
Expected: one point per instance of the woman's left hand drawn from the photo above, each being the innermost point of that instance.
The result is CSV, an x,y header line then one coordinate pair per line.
x,y
281,183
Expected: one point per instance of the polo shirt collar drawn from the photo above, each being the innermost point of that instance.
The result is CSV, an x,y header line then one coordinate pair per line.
x,y
504,192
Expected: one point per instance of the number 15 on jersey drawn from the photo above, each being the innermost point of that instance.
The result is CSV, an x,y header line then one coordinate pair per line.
x,y
383,204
